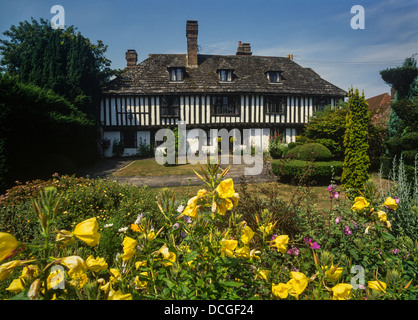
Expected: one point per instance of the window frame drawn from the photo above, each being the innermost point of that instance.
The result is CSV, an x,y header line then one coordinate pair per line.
x,y
225,105
277,76
174,72
226,75
276,105
172,105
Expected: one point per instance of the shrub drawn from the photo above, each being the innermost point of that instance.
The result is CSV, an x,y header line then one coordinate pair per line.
x,y
309,171
310,151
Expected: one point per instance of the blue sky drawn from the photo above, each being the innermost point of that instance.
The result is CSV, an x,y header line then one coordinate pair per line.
x,y
317,33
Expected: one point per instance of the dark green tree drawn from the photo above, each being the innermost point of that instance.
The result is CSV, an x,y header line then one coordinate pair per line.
x,y
58,59
356,157
403,121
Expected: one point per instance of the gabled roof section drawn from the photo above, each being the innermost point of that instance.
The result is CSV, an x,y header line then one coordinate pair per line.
x,y
151,77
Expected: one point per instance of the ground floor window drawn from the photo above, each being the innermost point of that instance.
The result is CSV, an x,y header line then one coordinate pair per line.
x,y
129,139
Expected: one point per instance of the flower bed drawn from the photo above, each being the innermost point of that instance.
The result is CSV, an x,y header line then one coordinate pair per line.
x,y
209,248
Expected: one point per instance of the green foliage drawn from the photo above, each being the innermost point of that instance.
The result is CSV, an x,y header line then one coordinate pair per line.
x,y
307,171
356,159
310,152
42,133
61,60
277,148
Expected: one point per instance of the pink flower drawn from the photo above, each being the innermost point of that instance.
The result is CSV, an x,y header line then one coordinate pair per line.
x,y
313,245
347,230
337,220
336,195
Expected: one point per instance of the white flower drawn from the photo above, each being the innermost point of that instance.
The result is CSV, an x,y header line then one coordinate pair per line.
x,y
180,209
138,219
123,229
108,225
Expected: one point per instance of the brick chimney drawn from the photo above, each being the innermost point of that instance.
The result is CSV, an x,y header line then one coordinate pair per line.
x,y
191,34
131,58
244,49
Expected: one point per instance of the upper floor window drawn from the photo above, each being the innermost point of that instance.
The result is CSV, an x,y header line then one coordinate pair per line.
x,y
273,76
225,105
170,107
176,74
319,103
225,75
275,105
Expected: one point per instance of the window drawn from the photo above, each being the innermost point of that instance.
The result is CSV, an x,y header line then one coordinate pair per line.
x,y
225,75
170,107
129,139
225,105
319,103
273,76
176,74
275,105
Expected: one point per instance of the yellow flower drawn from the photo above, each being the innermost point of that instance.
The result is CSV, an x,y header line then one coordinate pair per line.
x,y
201,193
280,290
266,230
225,189
243,252
235,198
332,275
7,244
150,235
391,203
16,286
64,237
129,245
359,204
224,205
97,264
31,271
377,285
137,228
228,247
6,269
298,283
247,235
119,295
167,255
79,279
87,232
263,274
139,264
280,243
114,275
341,291
140,283
382,216
55,278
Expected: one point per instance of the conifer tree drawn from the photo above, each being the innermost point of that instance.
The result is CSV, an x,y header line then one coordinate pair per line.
x,y
356,158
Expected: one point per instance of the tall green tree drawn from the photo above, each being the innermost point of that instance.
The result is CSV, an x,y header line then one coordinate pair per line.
x,y
58,59
356,157
403,121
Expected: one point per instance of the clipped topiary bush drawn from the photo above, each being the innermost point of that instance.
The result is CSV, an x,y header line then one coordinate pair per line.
x,y
320,171
310,151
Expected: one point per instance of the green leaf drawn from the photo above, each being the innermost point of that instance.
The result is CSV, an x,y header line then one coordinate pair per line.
x,y
231,283
388,236
191,255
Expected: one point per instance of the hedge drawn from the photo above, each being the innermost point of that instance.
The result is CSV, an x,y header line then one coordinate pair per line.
x,y
310,151
321,172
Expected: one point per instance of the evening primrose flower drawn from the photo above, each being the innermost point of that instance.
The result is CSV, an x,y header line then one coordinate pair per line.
x,y
97,264
16,286
280,290
129,245
228,247
267,229
377,285
263,274
6,269
55,279
280,242
224,205
167,255
332,274
87,232
341,291
7,244
139,284
243,252
225,188
119,295
359,204
298,283
391,203
382,215
247,235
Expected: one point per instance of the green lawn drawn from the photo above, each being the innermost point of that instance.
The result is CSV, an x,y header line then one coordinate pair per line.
x,y
150,167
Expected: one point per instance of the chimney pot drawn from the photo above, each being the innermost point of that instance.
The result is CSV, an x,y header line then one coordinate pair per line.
x,y
244,49
290,56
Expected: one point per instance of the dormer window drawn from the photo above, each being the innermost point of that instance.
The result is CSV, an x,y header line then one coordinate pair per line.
x,y
225,75
273,76
176,74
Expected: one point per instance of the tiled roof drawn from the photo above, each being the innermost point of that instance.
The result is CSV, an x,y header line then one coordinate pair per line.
x,y
151,76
